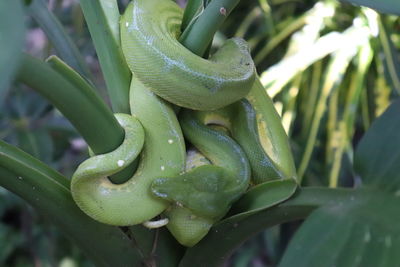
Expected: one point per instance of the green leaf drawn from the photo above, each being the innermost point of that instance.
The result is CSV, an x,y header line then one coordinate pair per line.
x,y
334,75
377,157
9,240
227,235
11,40
360,230
386,6
391,58
198,36
62,42
75,99
48,191
193,10
36,142
264,196
102,18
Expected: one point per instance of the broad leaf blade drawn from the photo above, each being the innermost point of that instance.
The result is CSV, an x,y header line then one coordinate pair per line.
x,y
361,231
11,41
224,237
377,157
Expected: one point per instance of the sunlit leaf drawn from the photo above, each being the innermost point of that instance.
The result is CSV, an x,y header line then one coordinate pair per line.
x,y
391,58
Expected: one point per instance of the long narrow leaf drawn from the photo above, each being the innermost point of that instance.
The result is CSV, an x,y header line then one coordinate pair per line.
x,y
281,73
11,41
80,105
334,76
392,57
346,126
63,44
48,191
102,18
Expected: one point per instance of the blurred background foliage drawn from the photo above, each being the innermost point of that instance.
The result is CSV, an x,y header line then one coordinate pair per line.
x,y
331,69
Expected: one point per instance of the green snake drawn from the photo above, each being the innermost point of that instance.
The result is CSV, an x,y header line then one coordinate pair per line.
x,y
235,128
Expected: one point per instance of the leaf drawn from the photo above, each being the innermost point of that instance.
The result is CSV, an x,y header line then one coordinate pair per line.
x,y
334,75
264,196
58,36
36,142
48,191
227,235
11,40
377,157
278,75
362,230
386,6
391,57
9,240
102,18
75,99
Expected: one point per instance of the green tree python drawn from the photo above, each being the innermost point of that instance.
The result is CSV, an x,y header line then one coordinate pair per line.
x,y
227,116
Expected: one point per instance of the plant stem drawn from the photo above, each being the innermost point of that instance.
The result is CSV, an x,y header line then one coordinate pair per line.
x,y
191,10
80,105
82,85
199,35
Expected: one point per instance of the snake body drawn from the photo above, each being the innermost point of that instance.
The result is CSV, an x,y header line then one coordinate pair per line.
x,y
242,139
163,154
149,32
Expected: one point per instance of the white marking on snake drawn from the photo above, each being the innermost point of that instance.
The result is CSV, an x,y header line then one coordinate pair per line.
x,y
121,163
156,224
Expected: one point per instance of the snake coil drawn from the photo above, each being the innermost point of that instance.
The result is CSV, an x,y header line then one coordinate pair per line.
x,y
236,128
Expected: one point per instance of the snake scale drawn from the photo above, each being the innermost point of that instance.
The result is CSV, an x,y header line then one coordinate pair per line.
x,y
226,116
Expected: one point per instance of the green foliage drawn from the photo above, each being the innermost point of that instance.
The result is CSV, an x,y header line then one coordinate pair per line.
x,y
388,6
11,37
377,155
358,230
331,69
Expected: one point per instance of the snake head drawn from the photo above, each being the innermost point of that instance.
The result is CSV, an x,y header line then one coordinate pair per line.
x,y
207,191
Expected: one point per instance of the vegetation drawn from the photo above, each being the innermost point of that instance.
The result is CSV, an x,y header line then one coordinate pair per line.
x,y
332,70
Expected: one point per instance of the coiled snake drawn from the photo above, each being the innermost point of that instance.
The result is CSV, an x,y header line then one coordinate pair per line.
x,y
235,127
